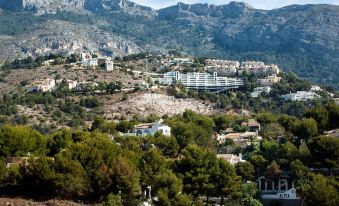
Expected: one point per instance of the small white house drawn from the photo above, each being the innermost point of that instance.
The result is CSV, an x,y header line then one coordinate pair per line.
x,y
231,158
258,90
316,88
109,65
44,85
47,62
152,128
266,89
87,60
71,84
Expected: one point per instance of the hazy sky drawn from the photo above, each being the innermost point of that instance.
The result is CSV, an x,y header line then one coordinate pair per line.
x,y
260,4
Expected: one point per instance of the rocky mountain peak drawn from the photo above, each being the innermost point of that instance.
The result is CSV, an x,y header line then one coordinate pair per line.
x,y
233,9
240,5
117,6
40,7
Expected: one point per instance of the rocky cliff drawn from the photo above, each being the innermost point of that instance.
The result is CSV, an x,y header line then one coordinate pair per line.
x,y
57,36
40,7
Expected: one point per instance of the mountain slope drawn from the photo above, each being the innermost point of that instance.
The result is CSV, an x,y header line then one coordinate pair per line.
x,y
303,39
56,36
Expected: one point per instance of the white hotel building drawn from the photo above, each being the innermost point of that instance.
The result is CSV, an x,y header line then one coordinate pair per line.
x,y
202,81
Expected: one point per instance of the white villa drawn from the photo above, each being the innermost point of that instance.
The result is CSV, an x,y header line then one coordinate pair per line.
x,y
201,81
231,158
87,60
44,85
316,88
269,80
152,128
71,84
237,138
258,90
47,62
300,96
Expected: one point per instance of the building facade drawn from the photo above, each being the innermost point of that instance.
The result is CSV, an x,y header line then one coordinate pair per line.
x,y
222,67
269,80
300,96
258,68
202,81
258,90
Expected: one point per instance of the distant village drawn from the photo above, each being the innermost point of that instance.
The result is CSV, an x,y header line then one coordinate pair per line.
x,y
218,76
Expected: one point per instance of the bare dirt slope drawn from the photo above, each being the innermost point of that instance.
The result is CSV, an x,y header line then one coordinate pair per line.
x,y
25,202
159,104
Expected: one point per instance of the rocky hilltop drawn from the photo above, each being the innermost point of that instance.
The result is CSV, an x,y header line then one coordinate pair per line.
x,y
303,39
231,10
40,7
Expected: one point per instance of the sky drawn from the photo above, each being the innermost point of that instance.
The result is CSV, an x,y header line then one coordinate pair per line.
x,y
259,4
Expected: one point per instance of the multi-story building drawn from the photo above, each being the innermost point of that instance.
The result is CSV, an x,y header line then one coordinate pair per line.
x,y
220,62
202,81
222,67
229,68
300,96
258,68
269,80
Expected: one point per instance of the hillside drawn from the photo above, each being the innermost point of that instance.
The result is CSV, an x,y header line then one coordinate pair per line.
x,y
24,202
130,135
303,39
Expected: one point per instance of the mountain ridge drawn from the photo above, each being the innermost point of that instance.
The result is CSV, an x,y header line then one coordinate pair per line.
x,y
301,38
